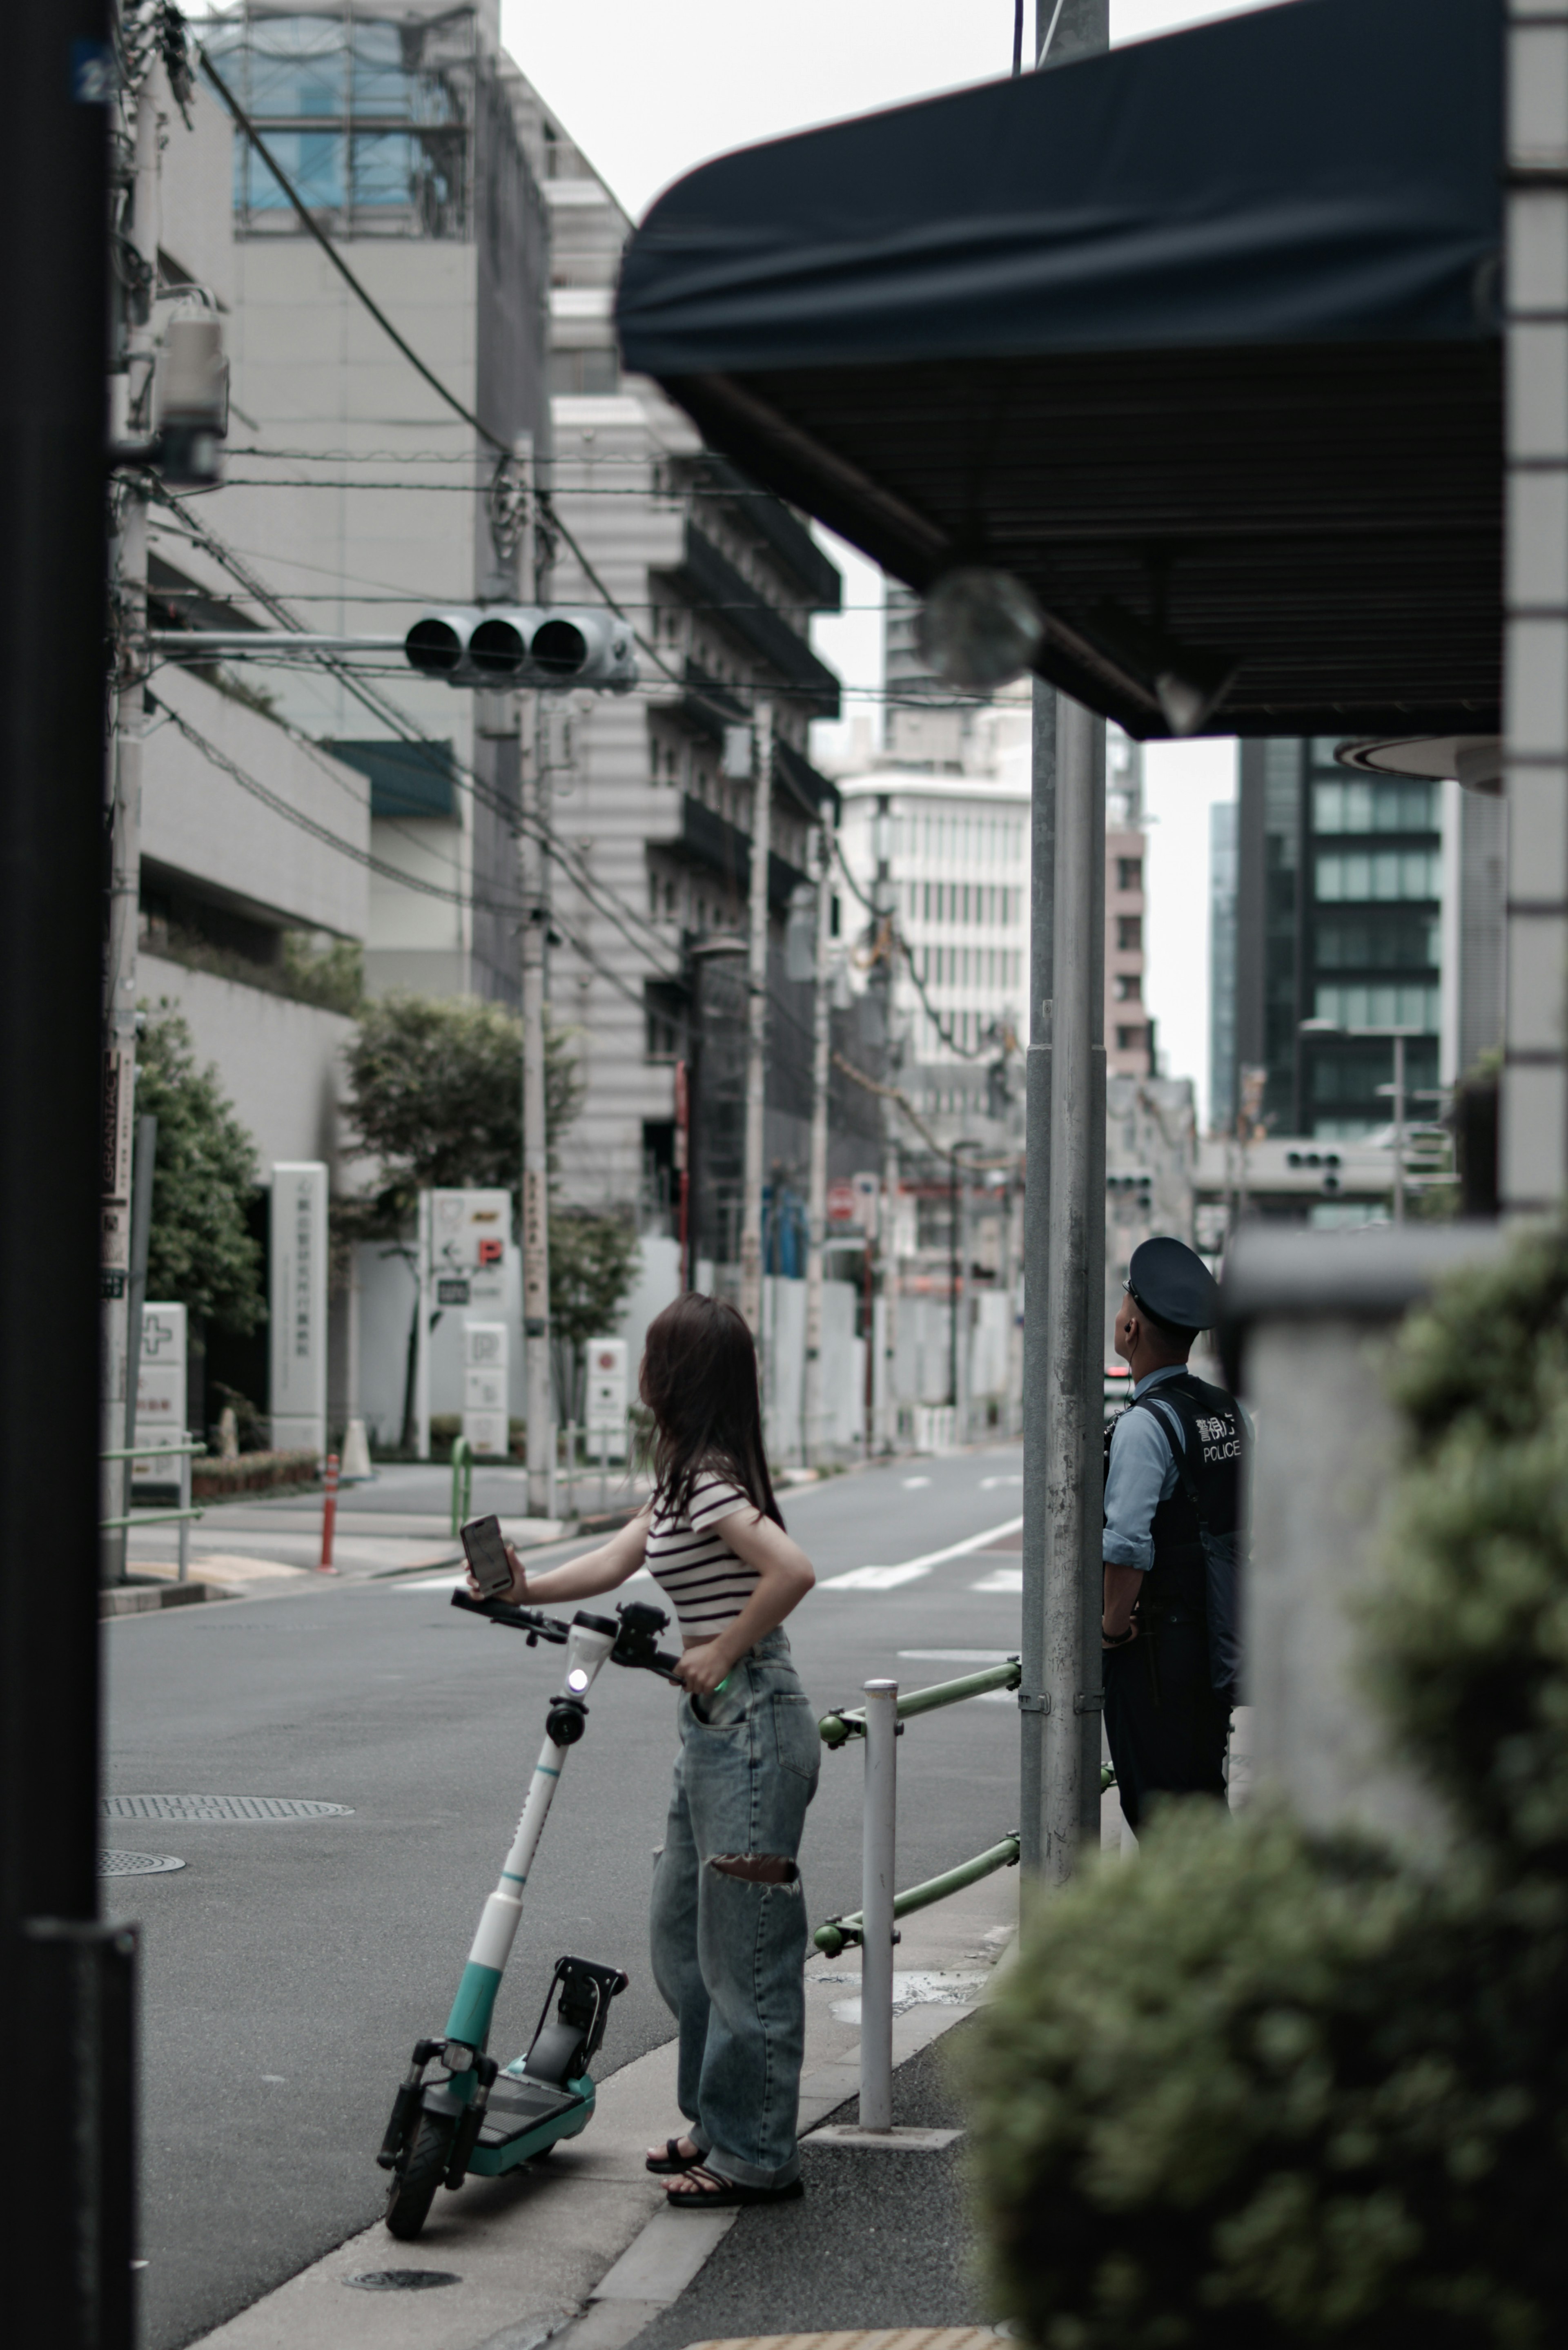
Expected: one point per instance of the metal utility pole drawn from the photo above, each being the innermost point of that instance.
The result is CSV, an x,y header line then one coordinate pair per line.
x,y
816,1189
537,554
1063,1233
124,785
883,975
68,2180
536,1151
757,1018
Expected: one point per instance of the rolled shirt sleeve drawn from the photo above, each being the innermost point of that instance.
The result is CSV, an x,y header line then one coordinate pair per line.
x,y
1142,1474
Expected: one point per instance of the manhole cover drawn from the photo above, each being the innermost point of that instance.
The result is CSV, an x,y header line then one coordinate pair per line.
x,y
221,1808
137,1864
401,2280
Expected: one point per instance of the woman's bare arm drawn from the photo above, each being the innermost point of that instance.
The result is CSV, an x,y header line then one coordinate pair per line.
x,y
605,1569
784,1576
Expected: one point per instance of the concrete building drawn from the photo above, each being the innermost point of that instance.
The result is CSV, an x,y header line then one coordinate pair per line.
x,y
355,494
1339,922
1129,1025
241,908
655,832
1223,1093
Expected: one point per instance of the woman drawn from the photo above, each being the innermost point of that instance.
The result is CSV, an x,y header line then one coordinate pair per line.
x,y
728,1913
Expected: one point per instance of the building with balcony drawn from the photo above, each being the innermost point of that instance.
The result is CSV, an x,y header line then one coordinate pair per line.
x,y
654,823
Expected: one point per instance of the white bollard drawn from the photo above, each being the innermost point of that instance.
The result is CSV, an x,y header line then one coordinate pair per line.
x,y
876,1887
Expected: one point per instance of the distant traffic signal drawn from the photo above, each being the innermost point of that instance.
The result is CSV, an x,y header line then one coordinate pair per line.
x,y
499,646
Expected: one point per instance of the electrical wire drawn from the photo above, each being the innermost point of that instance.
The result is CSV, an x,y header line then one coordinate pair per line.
x,y
328,840
598,893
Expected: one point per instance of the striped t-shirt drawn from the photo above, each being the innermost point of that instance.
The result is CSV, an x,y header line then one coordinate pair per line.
x,y
689,1558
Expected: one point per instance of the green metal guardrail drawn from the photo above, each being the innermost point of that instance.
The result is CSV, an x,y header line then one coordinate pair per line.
x,y
184,1517
462,1484
840,1932
849,1722
845,1723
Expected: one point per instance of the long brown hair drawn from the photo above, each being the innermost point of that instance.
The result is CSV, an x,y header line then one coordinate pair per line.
x,y
700,1381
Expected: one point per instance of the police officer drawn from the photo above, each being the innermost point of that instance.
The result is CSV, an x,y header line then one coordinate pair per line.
x,y
1175,1463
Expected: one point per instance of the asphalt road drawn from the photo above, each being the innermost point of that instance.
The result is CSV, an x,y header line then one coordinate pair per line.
x,y
289,1967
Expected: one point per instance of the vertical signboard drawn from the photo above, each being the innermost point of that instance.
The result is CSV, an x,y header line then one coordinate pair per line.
x,y
604,1405
469,1231
298,1302
161,1391
485,1369
119,1111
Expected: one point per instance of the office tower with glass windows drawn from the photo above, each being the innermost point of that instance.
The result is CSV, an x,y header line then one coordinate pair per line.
x,y
1338,937
1222,966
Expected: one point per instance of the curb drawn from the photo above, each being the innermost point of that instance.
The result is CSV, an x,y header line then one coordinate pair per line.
x,y
144,1598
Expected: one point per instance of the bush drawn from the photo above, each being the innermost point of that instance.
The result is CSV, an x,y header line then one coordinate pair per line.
x,y
1279,2090
252,1472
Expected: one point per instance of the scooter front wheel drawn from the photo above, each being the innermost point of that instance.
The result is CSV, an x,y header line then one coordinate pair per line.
x,y
418,2175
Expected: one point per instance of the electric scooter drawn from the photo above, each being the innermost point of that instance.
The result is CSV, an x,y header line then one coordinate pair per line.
x,y
472,2118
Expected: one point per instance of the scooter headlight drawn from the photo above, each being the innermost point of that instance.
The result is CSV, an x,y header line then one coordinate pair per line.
x,y
577,1680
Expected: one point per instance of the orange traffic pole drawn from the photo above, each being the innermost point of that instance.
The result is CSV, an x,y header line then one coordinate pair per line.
x,y
329,1515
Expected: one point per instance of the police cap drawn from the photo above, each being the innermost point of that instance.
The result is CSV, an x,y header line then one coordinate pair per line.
x,y
1172,1283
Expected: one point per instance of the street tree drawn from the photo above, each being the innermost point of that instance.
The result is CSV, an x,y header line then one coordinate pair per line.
x,y
435,1095
593,1264
200,1255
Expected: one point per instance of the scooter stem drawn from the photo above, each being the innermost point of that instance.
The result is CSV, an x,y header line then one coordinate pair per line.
x,y
469,2022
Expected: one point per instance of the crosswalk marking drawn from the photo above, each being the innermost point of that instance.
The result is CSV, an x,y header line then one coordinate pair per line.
x,y
1002,1580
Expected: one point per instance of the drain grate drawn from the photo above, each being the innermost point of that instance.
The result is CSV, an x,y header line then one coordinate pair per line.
x,y
401,2280
220,1807
137,1864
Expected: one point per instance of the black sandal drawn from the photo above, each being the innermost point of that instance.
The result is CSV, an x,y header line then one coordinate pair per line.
x,y
672,2159
714,2193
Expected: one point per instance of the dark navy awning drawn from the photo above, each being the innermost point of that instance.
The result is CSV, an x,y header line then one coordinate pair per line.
x,y
1201,333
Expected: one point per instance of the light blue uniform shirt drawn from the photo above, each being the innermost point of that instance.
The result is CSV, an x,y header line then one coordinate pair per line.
x,y
1142,1474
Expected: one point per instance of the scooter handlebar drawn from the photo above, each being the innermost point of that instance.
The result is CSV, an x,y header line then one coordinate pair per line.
x,y
639,1626
522,1620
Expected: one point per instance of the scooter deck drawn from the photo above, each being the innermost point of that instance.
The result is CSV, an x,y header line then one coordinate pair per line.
x,y
524,2119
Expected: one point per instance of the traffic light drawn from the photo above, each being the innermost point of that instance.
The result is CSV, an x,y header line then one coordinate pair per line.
x,y
496,647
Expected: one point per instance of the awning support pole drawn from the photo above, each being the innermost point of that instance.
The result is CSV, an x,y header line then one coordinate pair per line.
x,y
1064,1236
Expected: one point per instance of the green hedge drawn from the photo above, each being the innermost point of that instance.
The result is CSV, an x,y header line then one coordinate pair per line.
x,y
1269,2089
253,1473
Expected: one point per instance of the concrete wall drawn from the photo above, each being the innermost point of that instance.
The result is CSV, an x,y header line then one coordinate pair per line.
x,y
784,1355
196,194
279,1062
196,820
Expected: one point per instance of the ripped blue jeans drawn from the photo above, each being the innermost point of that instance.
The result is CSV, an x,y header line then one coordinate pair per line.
x,y
729,1953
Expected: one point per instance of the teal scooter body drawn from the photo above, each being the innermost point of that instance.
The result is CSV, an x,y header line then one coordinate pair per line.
x,y
472,2118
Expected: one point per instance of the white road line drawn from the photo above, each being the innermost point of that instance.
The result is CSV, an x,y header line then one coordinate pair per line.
x,y
1002,1580
886,1578
875,1578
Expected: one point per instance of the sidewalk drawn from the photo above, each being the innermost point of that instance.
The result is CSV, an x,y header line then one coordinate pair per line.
x,y
882,2239
581,2252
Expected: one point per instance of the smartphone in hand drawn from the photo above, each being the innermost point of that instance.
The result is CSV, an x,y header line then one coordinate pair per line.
x,y
486,1555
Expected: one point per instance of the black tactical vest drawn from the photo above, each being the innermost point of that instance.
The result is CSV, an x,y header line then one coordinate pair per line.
x,y
1215,1462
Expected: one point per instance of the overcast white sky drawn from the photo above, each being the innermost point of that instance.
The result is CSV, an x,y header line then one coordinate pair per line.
x,y
650,92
